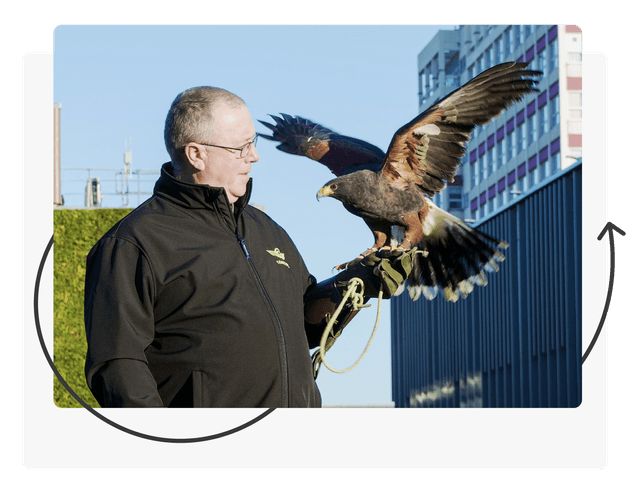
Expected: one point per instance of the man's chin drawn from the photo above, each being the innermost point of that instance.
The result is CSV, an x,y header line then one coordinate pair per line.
x,y
238,191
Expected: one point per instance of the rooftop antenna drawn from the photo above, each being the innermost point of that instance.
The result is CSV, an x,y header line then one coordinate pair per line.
x,y
127,172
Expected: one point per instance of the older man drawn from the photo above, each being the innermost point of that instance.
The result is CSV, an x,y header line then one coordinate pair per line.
x,y
197,299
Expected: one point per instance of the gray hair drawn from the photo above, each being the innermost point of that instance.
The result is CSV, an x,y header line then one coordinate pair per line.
x,y
190,118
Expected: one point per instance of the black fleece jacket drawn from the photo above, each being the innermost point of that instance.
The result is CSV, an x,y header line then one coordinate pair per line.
x,y
192,303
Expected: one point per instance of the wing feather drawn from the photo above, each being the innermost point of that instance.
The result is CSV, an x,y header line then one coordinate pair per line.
x,y
339,153
427,151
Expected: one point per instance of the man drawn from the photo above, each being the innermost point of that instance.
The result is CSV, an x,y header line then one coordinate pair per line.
x,y
197,299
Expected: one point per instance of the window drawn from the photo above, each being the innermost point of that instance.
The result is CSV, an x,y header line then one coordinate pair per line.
x,y
433,81
553,54
505,196
452,81
538,174
547,167
574,57
500,153
528,30
554,111
552,165
500,48
508,41
530,178
493,160
543,116
556,160
455,198
542,61
485,166
476,173
514,143
531,129
521,139
516,36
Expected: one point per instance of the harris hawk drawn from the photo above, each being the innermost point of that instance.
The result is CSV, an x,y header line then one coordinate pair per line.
x,y
392,189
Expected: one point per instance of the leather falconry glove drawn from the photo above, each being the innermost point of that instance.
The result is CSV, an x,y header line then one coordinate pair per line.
x,y
389,268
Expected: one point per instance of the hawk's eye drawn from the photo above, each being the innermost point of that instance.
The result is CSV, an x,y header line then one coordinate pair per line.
x,y
334,187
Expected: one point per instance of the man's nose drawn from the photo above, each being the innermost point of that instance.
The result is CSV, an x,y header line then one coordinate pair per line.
x,y
253,154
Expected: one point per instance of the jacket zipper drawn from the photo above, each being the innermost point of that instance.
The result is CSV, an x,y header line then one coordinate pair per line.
x,y
274,314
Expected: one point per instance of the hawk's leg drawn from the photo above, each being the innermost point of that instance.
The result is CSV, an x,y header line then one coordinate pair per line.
x,y
413,232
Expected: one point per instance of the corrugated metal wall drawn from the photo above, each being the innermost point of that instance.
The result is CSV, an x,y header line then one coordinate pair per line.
x,y
517,341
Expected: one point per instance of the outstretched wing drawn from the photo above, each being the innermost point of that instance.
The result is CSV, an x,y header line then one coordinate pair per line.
x,y
339,153
427,150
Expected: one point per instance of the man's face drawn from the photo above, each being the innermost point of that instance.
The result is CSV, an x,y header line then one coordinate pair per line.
x,y
224,168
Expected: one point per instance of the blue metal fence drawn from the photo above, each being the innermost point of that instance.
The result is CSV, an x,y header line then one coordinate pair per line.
x,y
517,341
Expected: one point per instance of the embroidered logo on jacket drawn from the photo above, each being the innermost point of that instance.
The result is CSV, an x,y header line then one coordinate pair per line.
x,y
279,255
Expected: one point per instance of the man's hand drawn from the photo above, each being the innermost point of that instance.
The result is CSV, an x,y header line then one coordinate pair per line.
x,y
385,268
389,268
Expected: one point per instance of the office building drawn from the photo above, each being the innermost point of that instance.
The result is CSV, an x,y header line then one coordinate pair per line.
x,y
530,140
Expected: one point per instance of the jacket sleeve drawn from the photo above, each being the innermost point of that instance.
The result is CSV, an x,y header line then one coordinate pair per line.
x,y
119,323
321,301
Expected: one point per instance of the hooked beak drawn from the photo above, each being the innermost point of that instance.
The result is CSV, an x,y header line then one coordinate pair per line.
x,y
323,192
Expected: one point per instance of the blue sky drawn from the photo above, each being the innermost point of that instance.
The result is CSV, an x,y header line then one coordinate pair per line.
x,y
117,82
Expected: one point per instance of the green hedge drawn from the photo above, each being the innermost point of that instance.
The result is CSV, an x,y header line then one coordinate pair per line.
x,y
75,232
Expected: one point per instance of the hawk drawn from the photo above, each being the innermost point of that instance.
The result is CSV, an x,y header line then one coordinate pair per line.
x,y
393,189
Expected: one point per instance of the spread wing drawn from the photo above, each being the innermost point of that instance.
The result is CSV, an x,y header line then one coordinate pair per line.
x,y
339,153
427,150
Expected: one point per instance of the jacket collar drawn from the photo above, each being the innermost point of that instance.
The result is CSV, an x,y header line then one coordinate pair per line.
x,y
200,197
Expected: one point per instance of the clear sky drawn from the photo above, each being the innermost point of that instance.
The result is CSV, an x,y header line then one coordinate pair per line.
x,y
117,82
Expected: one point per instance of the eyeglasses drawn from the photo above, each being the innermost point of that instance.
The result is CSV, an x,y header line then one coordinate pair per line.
x,y
244,149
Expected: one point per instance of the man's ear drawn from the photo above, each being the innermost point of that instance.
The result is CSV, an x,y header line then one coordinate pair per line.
x,y
195,154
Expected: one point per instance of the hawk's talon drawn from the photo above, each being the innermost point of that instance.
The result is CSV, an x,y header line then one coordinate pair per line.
x,y
364,254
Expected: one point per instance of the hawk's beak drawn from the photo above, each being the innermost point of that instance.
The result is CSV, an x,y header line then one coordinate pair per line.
x,y
323,192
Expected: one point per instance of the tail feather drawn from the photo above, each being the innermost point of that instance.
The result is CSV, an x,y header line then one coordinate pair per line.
x,y
456,258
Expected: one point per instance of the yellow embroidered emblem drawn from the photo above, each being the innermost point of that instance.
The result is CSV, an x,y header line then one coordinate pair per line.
x,y
280,255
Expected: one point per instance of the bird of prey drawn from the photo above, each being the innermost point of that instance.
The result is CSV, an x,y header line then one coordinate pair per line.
x,y
392,189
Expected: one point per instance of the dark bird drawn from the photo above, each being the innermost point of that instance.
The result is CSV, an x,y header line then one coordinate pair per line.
x,y
393,189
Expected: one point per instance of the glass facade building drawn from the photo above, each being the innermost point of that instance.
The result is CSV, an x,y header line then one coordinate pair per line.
x,y
530,140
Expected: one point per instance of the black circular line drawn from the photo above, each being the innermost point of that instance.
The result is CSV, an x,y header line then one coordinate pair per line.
x,y
90,409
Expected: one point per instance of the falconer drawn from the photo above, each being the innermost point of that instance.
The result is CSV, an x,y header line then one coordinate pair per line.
x,y
198,299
